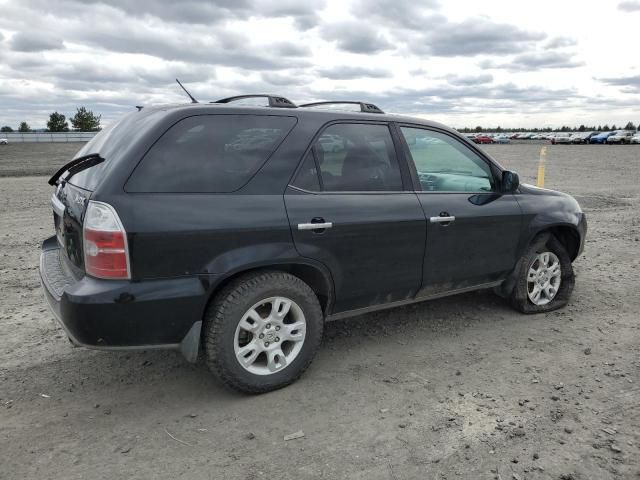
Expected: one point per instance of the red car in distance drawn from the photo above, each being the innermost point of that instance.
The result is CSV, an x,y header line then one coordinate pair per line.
x,y
484,139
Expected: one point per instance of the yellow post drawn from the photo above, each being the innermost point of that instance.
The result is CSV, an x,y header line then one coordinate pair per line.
x,y
541,162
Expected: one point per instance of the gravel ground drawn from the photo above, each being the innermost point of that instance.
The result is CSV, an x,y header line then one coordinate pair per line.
x,y
20,159
462,387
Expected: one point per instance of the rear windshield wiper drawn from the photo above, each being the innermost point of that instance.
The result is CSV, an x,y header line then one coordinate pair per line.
x,y
76,165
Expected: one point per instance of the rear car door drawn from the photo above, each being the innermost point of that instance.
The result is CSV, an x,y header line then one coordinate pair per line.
x,y
348,208
472,228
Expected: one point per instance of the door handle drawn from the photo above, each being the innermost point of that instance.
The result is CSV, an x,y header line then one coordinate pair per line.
x,y
314,226
442,219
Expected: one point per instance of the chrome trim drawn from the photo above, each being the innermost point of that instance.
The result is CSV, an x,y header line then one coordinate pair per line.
x,y
314,226
401,303
442,219
353,192
57,205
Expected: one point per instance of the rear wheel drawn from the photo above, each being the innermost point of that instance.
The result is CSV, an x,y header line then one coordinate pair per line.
x,y
262,331
544,277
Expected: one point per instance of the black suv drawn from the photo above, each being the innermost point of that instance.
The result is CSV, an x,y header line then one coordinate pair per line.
x,y
241,229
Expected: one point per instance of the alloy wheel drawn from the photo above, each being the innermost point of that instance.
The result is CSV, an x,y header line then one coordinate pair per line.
x,y
544,278
270,335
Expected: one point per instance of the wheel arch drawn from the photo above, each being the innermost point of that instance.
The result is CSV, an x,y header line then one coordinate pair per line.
x,y
316,275
567,234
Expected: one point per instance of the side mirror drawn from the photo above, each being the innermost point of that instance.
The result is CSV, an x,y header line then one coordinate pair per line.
x,y
510,181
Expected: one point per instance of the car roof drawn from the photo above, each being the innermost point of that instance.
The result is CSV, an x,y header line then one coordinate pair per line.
x,y
319,113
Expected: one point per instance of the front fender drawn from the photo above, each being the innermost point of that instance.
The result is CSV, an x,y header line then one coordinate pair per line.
x,y
544,209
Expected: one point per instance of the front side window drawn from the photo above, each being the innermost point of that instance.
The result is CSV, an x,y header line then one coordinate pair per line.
x,y
209,153
445,164
357,157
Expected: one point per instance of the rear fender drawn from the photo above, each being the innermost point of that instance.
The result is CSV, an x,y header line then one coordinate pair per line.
x,y
278,256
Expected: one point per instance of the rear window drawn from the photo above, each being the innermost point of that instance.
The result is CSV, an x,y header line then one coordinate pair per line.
x,y
209,154
111,143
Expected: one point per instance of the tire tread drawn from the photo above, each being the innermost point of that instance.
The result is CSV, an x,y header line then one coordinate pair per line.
x,y
233,295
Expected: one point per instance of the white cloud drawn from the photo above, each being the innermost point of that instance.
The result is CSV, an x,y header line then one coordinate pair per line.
x,y
630,6
459,62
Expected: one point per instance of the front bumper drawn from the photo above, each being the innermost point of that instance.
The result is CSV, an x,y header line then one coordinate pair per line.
x,y
123,314
582,230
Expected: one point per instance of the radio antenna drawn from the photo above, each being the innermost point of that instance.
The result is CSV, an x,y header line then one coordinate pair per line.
x,y
193,100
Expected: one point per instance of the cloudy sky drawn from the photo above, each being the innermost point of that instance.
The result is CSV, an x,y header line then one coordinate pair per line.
x,y
464,63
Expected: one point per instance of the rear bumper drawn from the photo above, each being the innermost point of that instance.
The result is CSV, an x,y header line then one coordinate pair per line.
x,y
123,314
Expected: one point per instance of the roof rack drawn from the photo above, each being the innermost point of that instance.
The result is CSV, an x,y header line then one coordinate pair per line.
x,y
274,100
364,107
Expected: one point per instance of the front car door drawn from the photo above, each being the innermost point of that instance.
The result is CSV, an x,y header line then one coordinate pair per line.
x,y
472,228
352,207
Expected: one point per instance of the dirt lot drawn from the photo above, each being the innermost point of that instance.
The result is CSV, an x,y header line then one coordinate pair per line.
x,y
462,387
20,159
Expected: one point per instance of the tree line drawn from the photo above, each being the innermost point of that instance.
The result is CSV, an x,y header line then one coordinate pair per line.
x,y
564,128
83,121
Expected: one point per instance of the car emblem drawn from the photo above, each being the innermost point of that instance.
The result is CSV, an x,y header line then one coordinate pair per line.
x,y
79,200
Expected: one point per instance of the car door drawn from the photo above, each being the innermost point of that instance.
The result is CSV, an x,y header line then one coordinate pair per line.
x,y
348,208
472,228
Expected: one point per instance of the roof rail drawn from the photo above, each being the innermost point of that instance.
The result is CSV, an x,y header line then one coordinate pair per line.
x,y
274,100
364,107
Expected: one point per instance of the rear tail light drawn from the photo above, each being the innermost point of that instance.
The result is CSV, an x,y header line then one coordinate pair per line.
x,y
106,254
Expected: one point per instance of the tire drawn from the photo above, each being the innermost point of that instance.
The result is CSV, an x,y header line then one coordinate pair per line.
x,y
225,339
519,296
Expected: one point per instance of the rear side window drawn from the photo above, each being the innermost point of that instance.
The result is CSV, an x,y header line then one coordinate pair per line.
x,y
357,157
307,177
209,154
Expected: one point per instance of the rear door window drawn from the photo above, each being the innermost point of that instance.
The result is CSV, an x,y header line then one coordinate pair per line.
x,y
209,153
307,177
357,157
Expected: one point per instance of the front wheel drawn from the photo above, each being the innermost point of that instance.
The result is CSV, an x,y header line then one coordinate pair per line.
x,y
262,331
544,277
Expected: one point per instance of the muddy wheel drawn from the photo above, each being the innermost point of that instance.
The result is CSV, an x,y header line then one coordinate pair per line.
x,y
262,331
544,278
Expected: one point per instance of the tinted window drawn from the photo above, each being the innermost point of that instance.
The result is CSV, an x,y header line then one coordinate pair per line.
x,y
111,143
357,157
307,177
446,165
209,153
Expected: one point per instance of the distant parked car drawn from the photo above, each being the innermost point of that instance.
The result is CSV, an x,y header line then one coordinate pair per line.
x,y
601,137
502,139
582,137
562,138
623,136
484,139
4,141
635,138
